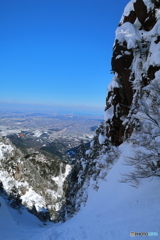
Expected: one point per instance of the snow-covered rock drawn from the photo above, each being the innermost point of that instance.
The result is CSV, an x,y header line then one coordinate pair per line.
x,y
135,63
36,180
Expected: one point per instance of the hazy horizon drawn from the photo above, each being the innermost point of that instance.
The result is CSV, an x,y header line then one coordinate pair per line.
x,y
50,108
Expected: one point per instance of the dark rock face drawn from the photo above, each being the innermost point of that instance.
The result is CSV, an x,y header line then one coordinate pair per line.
x,y
147,19
134,64
130,18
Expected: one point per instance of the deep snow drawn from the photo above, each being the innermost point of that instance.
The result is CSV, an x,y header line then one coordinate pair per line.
x,y
111,213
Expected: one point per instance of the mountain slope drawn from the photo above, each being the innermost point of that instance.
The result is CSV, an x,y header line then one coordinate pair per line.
x,y
110,213
17,225
32,179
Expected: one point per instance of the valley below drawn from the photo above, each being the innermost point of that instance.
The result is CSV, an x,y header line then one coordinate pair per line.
x,y
38,152
55,135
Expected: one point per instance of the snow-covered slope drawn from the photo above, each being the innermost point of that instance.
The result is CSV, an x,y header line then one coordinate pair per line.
x,y
115,209
110,213
32,179
17,225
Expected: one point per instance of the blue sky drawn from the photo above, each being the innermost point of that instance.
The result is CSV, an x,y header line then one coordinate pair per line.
x,y
57,51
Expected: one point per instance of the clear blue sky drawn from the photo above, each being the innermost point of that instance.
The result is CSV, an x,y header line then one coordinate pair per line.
x,y
57,51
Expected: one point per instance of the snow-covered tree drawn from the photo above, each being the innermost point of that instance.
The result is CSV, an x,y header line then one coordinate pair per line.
x,y
146,136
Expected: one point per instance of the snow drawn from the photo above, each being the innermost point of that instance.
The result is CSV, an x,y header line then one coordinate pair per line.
x,y
157,75
5,131
5,149
154,59
127,53
88,152
9,182
129,7
157,139
61,177
59,180
127,32
101,138
148,4
91,143
115,83
119,56
17,225
37,133
110,213
109,113
157,14
31,198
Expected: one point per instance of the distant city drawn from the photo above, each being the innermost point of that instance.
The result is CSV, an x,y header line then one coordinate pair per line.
x,y
57,133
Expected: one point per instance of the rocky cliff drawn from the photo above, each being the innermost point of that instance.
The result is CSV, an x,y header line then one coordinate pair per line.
x,y
33,180
135,63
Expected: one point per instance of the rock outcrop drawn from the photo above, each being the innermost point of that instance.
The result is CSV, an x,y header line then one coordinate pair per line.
x,y
135,61
32,179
